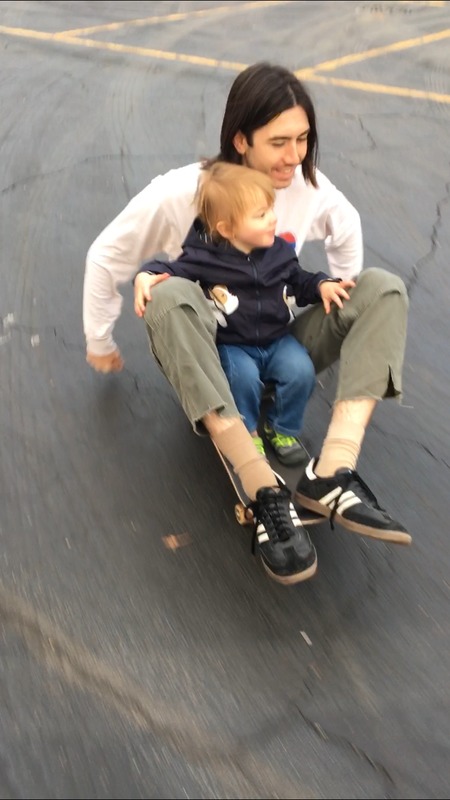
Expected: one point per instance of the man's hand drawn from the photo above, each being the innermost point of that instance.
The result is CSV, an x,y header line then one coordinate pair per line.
x,y
142,286
331,292
113,362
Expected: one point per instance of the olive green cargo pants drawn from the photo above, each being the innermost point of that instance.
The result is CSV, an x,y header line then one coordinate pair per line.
x,y
368,335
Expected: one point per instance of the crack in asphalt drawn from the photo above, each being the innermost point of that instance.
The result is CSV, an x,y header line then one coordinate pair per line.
x,y
226,755
74,166
392,785
79,667
373,144
395,437
343,742
123,157
434,240
8,328
433,456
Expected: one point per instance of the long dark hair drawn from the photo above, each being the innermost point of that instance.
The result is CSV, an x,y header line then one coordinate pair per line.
x,y
259,94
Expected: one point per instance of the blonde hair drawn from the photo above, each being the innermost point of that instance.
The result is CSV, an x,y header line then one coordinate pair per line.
x,y
227,192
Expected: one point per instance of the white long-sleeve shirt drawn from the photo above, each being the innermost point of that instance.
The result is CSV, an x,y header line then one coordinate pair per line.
x,y
158,218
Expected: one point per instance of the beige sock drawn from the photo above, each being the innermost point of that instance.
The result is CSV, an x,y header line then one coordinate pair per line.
x,y
252,468
340,448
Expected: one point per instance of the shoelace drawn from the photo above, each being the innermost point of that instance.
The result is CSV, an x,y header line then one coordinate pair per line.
x,y
275,516
365,494
280,440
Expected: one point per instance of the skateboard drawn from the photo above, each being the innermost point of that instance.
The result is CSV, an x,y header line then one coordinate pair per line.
x,y
287,475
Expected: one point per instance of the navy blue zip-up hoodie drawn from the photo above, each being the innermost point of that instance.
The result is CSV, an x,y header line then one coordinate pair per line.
x,y
249,291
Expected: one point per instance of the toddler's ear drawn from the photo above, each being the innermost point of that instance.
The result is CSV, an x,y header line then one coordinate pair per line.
x,y
224,229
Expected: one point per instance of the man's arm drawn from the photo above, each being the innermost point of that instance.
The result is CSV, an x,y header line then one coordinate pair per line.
x,y
338,223
112,260
154,221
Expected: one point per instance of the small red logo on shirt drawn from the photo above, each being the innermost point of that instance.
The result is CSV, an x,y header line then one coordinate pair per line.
x,y
288,237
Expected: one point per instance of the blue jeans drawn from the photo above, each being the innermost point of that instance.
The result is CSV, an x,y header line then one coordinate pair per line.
x,y
284,363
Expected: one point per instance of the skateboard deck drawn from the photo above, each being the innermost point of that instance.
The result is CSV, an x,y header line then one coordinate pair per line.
x,y
289,475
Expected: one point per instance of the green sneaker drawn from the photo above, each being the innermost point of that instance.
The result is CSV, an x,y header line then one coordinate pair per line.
x,y
259,444
288,449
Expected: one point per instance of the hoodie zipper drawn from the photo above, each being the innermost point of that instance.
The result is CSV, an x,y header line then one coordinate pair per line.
x,y
258,295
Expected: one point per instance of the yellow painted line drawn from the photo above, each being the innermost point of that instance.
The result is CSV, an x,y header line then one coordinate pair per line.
x,y
114,47
379,88
353,58
428,3
306,73
26,33
204,12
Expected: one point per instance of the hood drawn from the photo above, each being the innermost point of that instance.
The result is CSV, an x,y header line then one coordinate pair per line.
x,y
200,242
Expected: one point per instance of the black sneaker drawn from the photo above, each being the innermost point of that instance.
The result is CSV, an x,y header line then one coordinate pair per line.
x,y
345,497
288,449
305,515
280,538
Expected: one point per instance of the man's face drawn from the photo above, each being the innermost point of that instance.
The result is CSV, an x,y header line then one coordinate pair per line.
x,y
278,147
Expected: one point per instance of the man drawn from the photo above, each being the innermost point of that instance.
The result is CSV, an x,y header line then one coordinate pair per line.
x,y
269,124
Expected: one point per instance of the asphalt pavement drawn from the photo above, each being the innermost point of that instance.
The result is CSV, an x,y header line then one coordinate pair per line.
x,y
144,652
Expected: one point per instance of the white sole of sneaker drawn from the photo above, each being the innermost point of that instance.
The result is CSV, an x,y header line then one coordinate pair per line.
x,y
396,537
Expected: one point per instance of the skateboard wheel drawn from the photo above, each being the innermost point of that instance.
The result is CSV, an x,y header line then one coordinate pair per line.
x,y
243,515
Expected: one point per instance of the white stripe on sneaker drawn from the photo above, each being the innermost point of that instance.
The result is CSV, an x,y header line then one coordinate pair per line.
x,y
347,495
294,517
262,534
327,499
310,474
344,500
347,500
